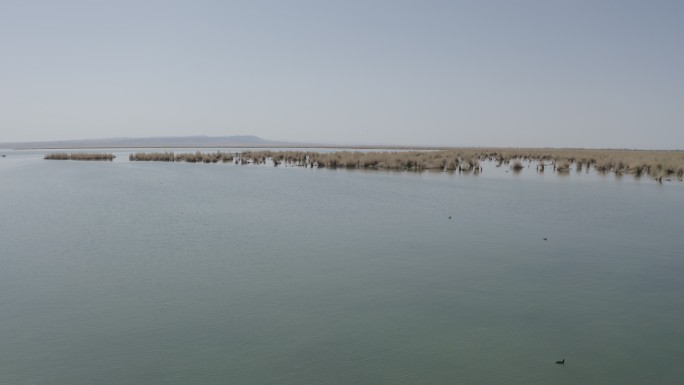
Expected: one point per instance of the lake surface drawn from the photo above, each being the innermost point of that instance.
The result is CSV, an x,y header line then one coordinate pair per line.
x,y
172,273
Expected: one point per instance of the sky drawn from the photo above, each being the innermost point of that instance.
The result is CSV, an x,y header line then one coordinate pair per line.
x,y
513,73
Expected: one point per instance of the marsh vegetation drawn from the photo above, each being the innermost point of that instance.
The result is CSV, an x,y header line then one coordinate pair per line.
x,y
196,157
654,164
79,156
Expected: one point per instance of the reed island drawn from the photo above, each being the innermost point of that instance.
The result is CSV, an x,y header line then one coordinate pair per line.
x,y
79,156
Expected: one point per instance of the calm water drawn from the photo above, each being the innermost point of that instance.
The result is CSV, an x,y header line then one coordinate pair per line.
x,y
157,273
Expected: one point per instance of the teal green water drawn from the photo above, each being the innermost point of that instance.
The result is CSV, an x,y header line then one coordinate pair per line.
x,y
156,273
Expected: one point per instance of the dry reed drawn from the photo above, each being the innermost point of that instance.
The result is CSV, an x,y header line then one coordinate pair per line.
x,y
656,164
195,157
79,156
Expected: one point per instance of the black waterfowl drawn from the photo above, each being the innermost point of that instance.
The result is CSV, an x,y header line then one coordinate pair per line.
x,y
561,362
545,239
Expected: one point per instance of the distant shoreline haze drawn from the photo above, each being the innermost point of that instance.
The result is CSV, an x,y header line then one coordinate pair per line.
x,y
163,141
249,141
196,141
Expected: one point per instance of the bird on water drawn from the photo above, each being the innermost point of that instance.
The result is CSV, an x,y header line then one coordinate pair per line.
x,y
561,362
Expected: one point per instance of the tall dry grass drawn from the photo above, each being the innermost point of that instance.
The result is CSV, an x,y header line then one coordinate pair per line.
x,y
655,164
79,156
195,157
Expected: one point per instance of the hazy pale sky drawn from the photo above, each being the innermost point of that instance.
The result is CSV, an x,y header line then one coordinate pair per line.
x,y
487,73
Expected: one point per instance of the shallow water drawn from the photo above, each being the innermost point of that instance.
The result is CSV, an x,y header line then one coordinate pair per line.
x,y
172,273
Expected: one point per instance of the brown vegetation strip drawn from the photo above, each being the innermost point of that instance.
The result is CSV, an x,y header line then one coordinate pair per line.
x,y
196,157
657,164
79,156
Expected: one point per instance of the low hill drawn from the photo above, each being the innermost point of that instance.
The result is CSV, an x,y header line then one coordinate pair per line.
x,y
168,141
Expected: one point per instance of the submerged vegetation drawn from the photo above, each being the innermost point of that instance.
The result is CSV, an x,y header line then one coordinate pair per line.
x,y
79,156
655,164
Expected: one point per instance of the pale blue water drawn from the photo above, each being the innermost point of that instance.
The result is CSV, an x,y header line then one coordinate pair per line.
x,y
158,273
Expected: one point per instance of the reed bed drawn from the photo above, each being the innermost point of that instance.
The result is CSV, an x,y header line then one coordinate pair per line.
x,y
79,156
195,157
655,164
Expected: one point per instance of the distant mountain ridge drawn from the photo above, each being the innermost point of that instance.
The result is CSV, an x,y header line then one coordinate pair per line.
x,y
164,141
